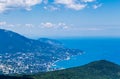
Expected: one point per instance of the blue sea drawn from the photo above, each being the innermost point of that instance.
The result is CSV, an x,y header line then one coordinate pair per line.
x,y
94,48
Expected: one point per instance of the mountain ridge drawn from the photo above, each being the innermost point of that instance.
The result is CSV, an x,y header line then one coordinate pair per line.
x,y
22,55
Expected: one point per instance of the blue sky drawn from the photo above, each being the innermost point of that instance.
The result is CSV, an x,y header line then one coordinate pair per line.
x,y
61,18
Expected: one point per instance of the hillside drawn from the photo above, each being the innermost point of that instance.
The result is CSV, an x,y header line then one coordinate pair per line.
x,y
51,41
14,77
95,70
19,54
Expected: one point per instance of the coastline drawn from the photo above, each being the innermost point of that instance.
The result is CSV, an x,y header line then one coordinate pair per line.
x,y
54,66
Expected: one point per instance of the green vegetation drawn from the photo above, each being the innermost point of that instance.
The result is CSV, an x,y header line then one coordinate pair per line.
x,y
14,77
95,70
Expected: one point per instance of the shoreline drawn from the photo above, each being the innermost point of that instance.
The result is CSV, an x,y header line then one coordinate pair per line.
x,y
54,66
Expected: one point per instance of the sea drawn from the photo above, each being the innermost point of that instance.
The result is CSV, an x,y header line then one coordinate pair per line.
x,y
95,49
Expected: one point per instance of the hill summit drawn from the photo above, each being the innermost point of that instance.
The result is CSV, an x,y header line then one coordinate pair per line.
x,y
96,70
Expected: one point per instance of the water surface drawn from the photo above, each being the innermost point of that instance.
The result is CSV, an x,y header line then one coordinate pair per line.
x,y
94,48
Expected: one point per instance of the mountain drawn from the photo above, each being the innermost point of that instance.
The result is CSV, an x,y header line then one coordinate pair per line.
x,y
19,54
12,42
95,70
51,41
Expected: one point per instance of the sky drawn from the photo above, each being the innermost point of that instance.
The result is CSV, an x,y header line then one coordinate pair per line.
x,y
61,18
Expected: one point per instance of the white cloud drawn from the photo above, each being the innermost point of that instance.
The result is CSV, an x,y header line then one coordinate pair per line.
x,y
64,2
97,6
6,5
52,8
58,29
71,4
11,4
47,25
88,0
2,23
77,6
54,26
63,25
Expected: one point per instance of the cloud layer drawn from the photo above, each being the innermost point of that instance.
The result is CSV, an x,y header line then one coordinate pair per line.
x,y
12,4
6,5
71,4
49,29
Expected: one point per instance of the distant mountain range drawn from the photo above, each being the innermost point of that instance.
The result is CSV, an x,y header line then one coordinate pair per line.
x,y
19,54
95,70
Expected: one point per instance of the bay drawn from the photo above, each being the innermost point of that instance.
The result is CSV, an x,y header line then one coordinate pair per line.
x,y
94,48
